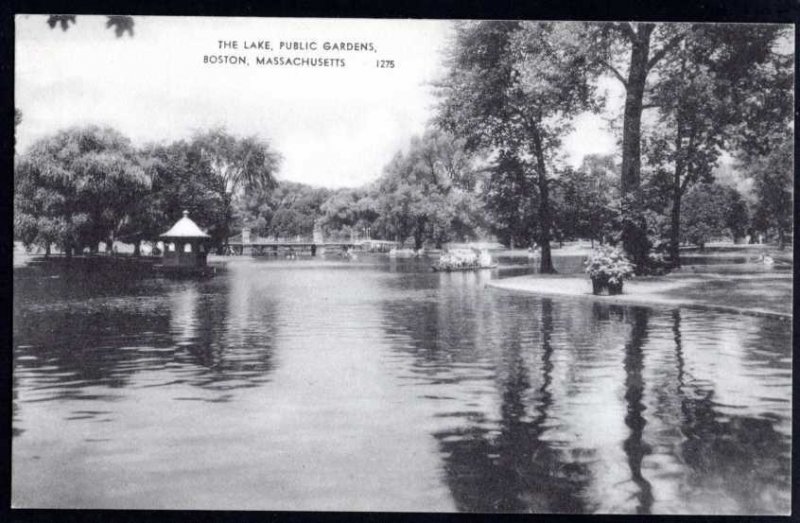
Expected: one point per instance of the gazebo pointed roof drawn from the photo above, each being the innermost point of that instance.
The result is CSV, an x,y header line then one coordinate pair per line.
x,y
185,228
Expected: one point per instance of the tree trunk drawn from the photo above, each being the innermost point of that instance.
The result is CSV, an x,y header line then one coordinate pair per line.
x,y
419,233
137,248
677,193
634,234
675,229
546,263
781,238
47,250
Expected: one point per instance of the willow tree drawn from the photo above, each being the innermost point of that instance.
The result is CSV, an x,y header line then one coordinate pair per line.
x,y
512,88
239,164
426,192
76,188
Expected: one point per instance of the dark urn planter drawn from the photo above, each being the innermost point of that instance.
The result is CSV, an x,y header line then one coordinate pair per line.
x,y
614,288
598,284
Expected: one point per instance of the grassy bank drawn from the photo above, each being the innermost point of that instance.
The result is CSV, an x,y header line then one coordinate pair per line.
x,y
742,288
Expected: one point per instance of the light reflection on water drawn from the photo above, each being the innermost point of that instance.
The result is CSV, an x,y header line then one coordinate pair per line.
x,y
381,386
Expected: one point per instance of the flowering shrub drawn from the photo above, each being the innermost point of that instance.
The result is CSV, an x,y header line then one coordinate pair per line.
x,y
608,264
463,259
458,259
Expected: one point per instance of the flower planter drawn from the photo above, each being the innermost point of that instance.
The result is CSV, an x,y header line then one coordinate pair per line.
x,y
608,267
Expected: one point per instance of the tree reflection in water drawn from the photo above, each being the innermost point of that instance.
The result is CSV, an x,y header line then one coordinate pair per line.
x,y
518,470
739,460
224,338
528,404
634,445
86,348
680,450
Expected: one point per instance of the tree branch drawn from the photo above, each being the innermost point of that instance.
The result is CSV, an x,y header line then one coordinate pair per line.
x,y
626,30
658,55
616,73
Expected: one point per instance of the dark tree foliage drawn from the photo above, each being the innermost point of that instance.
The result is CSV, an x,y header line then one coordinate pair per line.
x,y
514,87
120,24
510,200
286,211
700,85
62,21
240,164
705,214
588,199
703,79
426,194
181,180
77,188
773,175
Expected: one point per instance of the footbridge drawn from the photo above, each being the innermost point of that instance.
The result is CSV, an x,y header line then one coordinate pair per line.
x,y
248,244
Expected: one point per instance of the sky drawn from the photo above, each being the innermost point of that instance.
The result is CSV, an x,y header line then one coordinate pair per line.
x,y
333,126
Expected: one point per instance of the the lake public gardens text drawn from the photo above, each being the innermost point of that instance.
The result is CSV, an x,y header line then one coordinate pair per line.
x,y
314,54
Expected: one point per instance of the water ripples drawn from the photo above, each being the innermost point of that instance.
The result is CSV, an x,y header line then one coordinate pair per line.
x,y
276,373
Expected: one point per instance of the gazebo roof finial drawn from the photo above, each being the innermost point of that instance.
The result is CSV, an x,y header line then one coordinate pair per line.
x,y
185,228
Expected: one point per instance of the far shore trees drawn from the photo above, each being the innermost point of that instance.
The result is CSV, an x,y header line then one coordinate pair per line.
x,y
512,88
491,160
76,188
86,185
588,199
286,210
705,215
426,194
773,175
180,181
240,164
511,201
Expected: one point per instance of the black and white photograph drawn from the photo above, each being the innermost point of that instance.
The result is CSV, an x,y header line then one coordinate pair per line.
x,y
402,265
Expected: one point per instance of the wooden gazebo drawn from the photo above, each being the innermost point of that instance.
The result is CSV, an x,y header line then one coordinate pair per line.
x,y
185,247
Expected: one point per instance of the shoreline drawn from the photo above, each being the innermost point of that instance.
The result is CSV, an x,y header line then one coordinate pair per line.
x,y
650,292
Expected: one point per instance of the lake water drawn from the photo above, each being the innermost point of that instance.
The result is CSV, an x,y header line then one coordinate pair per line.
x,y
379,385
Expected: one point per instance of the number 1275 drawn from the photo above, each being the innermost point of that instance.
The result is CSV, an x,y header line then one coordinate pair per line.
x,y
384,64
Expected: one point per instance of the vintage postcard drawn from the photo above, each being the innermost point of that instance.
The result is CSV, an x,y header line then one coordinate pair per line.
x,y
402,265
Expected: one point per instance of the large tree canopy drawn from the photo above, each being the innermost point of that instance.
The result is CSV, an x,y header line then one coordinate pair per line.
x,y
426,194
512,88
77,187
700,78
240,165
